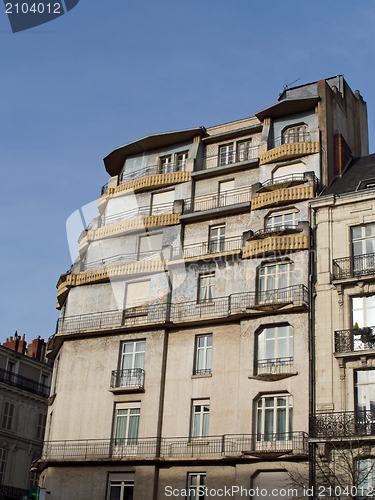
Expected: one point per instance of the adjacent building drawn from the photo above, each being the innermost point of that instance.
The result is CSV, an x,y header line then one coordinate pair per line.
x,y
183,350
25,376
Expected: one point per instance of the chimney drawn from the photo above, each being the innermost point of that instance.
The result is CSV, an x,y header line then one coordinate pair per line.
x,y
36,348
17,343
342,153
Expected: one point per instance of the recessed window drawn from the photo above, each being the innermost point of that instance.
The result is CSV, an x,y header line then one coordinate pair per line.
x,y
275,347
203,356
3,464
274,417
181,160
226,154
7,416
365,469
121,486
132,364
42,417
127,424
363,311
217,239
227,194
149,245
298,133
282,220
196,485
162,203
206,288
200,419
245,151
166,165
274,279
137,294
363,239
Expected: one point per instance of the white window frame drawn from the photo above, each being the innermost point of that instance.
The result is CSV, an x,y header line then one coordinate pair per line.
x,y
276,220
203,354
295,134
227,196
217,238
245,150
181,158
362,309
274,281
270,343
200,418
126,434
365,470
363,239
267,415
226,154
205,295
131,373
166,164
196,485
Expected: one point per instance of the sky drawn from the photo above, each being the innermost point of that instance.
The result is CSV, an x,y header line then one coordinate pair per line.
x,y
111,71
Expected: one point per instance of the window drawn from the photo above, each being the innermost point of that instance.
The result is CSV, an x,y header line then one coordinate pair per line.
x,y
137,294
365,476
295,134
181,160
364,400
132,364
41,426
363,311
121,486
150,245
206,286
217,239
3,464
162,203
7,416
166,165
295,171
203,356
33,479
282,220
275,347
245,151
127,423
226,156
196,485
363,239
227,195
200,419
55,372
274,418
274,280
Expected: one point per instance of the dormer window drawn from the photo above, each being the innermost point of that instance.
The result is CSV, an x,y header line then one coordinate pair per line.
x,y
295,134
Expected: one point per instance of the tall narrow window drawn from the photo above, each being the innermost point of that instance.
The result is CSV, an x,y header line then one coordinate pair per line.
x,y
181,160
206,287
3,464
196,485
274,280
274,418
226,156
127,424
217,239
363,249
245,151
55,373
200,419
365,476
7,416
227,195
166,165
363,311
203,355
41,426
132,364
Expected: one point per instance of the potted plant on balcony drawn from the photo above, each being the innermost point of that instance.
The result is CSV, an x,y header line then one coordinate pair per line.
x,y
367,335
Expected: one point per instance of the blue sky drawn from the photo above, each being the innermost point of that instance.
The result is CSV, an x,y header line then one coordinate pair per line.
x,y
111,71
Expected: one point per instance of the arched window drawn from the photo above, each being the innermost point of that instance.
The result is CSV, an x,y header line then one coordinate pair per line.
x,y
297,133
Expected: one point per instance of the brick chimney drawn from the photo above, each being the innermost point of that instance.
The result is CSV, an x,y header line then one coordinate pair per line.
x,y
16,343
342,154
36,348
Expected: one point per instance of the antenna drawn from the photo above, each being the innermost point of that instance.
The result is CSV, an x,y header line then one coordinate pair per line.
x,y
287,86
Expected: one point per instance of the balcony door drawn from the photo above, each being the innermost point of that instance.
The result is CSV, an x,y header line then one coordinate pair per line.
x,y
274,423
364,399
227,194
363,249
363,318
132,364
126,429
217,239
274,283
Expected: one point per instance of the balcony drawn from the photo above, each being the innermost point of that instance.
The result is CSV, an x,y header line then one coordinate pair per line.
x,y
152,170
283,196
275,231
214,201
279,151
153,176
359,339
12,493
295,296
274,368
356,266
343,424
131,379
228,445
276,245
124,258
24,383
231,158
213,247
139,212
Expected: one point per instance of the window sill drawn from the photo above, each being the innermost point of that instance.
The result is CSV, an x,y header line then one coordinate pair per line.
x,y
270,377
118,390
203,375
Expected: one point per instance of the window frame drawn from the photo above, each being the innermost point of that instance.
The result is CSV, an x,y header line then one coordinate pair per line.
x,y
131,410
247,151
268,292
228,157
202,422
209,300
262,345
124,479
181,163
275,435
216,244
289,225
193,490
8,414
3,464
41,425
166,164
287,132
207,355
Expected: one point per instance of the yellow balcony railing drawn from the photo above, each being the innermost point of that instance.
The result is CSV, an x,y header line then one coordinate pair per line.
x,y
288,151
282,196
275,244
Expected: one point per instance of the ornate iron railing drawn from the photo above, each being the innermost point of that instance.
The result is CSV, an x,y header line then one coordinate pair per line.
x,y
295,443
236,303
283,228
217,200
214,246
283,179
343,424
10,493
354,267
274,366
24,383
230,157
357,339
134,377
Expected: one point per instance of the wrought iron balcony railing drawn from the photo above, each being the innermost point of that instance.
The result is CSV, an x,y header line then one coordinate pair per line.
x,y
231,445
354,267
274,366
230,157
218,307
134,377
12,493
357,339
152,170
212,201
275,231
213,246
343,424
24,383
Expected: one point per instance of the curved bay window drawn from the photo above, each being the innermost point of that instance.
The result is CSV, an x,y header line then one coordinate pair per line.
x,y
275,348
274,418
274,280
298,133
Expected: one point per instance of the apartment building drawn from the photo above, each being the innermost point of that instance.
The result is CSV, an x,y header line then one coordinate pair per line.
x,y
25,377
182,354
343,425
